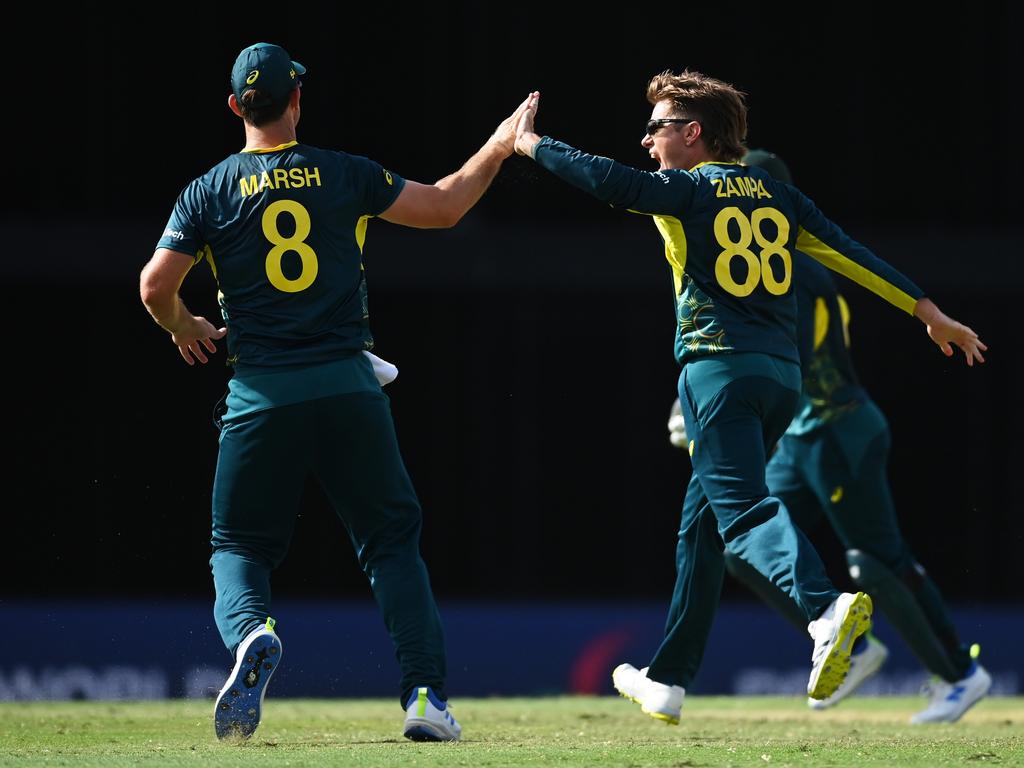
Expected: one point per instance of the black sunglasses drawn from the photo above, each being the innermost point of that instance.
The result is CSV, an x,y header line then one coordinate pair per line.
x,y
656,123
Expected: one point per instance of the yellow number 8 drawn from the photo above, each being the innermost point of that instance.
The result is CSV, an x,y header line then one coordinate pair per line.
x,y
758,268
297,243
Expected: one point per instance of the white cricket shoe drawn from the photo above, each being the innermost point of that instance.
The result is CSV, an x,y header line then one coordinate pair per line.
x,y
846,619
862,666
239,705
427,718
949,701
660,701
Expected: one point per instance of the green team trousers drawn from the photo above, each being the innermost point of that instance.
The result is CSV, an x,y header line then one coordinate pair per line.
x,y
348,443
736,406
839,471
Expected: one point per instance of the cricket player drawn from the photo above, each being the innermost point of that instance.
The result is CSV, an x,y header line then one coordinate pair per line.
x,y
282,225
831,462
730,232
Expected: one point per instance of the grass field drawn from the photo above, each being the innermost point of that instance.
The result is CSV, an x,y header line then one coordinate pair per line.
x,y
564,732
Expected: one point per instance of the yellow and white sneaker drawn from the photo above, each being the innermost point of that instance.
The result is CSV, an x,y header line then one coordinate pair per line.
x,y
660,701
846,619
862,666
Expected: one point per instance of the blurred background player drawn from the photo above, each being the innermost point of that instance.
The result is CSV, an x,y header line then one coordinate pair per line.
x,y
729,233
831,462
282,226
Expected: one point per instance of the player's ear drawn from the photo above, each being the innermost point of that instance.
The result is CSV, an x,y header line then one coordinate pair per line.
x,y
233,105
693,131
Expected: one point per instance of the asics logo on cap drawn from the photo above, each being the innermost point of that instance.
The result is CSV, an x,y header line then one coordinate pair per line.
x,y
256,73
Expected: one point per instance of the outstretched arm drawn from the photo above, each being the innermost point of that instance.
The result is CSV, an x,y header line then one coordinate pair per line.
x,y
445,202
945,331
611,182
158,285
821,239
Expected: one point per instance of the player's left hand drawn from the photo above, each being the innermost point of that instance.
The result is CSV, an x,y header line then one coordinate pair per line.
x,y
947,332
198,332
505,134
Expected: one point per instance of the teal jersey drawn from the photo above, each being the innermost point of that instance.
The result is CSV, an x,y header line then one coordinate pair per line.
x,y
830,386
730,233
283,231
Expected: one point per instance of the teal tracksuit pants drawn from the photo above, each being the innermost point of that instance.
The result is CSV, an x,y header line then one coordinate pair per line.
x,y
839,472
348,444
736,407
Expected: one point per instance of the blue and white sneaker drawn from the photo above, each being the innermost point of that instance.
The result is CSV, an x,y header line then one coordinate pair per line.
x,y
240,703
949,701
427,718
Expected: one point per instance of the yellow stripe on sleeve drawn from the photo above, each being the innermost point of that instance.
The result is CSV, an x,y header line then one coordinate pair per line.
x,y
207,252
835,261
674,235
361,231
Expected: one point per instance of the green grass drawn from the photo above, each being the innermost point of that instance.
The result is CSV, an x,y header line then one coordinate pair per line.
x,y
563,732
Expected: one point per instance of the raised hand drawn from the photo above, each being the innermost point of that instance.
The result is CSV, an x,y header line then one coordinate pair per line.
x,y
505,134
525,136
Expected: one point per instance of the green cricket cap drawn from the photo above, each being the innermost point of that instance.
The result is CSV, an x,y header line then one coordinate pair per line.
x,y
267,68
761,158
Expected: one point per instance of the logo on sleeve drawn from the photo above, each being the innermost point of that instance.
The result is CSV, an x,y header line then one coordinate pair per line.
x,y
387,177
177,234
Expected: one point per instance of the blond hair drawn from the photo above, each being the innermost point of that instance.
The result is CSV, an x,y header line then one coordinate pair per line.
x,y
716,105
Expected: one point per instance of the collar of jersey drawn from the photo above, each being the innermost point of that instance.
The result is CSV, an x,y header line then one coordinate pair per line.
x,y
263,151
698,165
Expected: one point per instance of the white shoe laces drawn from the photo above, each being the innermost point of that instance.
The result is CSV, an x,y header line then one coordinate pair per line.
x,y
819,652
821,631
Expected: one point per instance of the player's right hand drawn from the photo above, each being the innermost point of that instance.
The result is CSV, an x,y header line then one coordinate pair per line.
x,y
197,333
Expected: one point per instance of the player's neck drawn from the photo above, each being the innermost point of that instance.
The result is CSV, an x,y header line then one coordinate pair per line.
x,y
270,135
700,156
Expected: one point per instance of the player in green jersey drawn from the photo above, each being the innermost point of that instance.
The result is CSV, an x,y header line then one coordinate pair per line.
x,y
729,233
831,462
282,225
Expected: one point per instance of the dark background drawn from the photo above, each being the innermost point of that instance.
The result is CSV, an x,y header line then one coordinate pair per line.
x,y
534,340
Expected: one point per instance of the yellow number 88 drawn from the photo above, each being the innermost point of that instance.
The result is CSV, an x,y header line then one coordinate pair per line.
x,y
758,268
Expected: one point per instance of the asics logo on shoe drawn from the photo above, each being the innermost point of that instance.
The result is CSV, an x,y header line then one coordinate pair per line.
x,y
956,693
252,677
